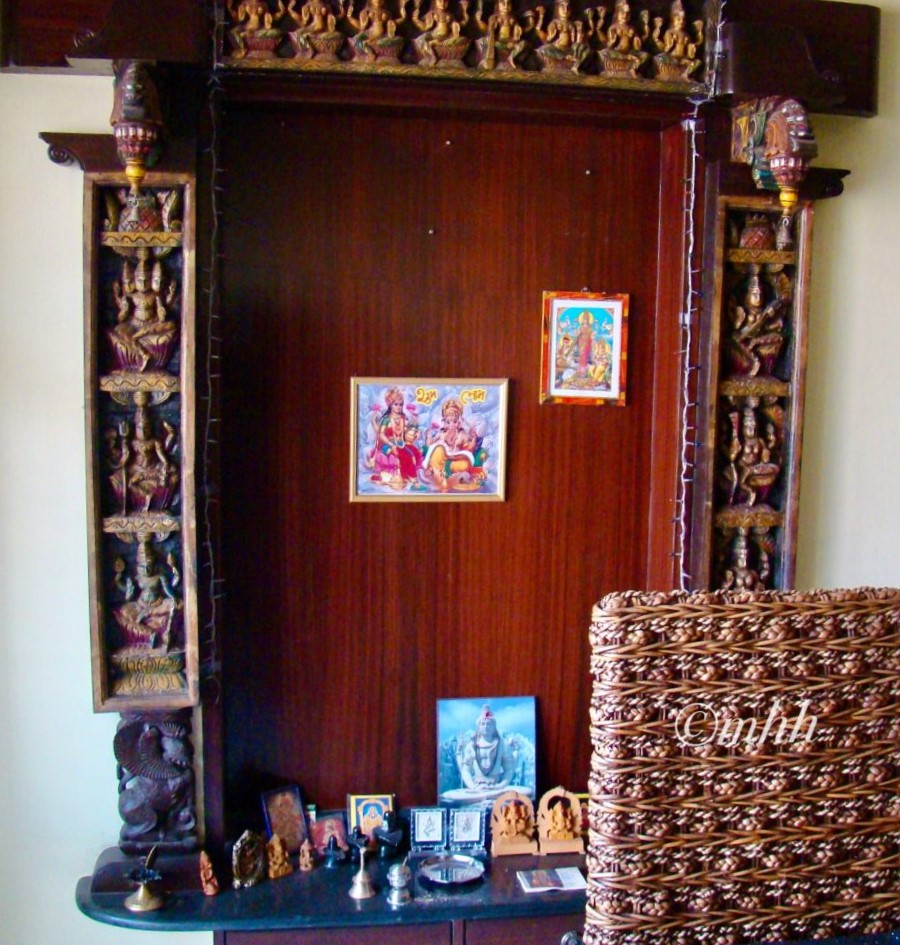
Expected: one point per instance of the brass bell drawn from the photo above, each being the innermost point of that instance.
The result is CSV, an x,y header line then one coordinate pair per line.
x,y
362,886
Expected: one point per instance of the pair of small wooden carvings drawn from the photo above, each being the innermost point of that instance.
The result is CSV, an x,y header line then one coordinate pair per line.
x,y
333,31
558,824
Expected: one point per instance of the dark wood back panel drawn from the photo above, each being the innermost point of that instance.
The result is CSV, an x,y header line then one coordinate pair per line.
x,y
415,245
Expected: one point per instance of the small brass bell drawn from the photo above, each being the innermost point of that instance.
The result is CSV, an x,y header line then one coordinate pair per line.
x,y
362,886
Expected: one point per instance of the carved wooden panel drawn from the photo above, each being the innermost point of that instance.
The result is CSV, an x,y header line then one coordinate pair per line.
x,y
756,416
648,46
139,350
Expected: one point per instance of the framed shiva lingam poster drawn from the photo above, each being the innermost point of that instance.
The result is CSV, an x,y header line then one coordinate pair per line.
x,y
584,348
415,439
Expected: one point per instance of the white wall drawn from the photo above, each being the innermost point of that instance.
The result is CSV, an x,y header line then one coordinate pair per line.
x,y
57,776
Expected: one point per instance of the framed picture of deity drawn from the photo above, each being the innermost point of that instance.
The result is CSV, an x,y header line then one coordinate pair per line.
x,y
427,828
283,810
584,348
367,811
485,746
427,439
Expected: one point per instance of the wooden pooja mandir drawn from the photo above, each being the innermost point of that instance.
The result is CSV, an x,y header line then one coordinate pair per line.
x,y
298,195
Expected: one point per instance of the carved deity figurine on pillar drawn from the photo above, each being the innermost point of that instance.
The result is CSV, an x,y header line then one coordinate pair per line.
x,y
254,35
156,782
623,54
757,333
149,656
144,336
738,575
441,42
678,57
563,43
754,461
376,38
512,825
143,477
148,621
501,43
559,822
317,35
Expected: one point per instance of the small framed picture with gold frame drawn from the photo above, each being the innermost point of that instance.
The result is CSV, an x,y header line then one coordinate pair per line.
x,y
367,811
584,348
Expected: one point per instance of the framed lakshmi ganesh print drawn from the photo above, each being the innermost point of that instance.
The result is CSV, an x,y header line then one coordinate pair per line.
x,y
584,347
427,439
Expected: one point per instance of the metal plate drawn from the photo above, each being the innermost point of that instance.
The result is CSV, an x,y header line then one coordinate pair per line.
x,y
452,869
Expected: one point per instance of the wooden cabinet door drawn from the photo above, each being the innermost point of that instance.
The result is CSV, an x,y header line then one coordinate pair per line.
x,y
432,934
538,930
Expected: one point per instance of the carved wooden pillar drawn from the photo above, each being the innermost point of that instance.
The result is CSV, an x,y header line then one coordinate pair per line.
x,y
139,396
757,349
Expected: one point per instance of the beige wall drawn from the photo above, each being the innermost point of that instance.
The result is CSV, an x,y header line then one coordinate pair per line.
x,y
57,778
850,499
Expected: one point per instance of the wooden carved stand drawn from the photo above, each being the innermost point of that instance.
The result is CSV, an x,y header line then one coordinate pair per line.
x,y
386,190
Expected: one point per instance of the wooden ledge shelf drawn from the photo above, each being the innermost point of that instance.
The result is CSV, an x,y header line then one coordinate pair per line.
x,y
318,900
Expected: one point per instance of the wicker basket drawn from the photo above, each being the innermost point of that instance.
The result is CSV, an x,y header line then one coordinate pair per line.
x,y
745,768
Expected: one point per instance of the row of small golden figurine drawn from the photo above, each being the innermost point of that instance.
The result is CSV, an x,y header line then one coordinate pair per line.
x,y
254,858
563,45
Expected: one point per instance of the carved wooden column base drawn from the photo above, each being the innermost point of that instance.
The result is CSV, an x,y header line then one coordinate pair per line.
x,y
156,782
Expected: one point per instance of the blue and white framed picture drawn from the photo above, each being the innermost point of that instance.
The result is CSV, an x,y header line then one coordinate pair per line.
x,y
485,746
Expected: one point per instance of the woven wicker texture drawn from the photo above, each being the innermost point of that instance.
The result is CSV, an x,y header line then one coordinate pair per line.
x,y
745,776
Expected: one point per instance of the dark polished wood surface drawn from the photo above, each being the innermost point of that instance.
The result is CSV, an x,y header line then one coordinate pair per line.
x,y
39,33
417,246
761,57
319,900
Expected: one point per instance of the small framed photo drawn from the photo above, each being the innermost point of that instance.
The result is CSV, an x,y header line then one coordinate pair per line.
x,y
367,811
416,439
326,826
284,814
467,828
427,828
584,350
